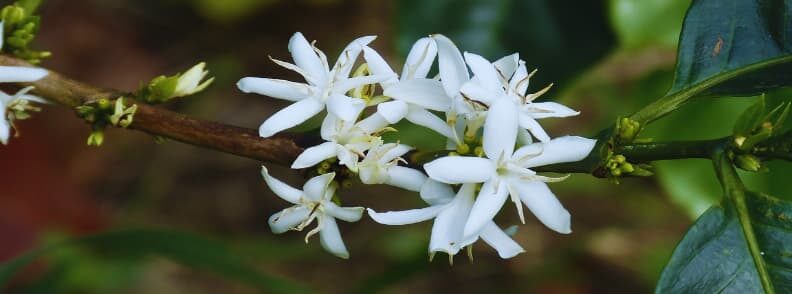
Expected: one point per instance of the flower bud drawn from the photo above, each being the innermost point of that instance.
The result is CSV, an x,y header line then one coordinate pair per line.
x,y
748,162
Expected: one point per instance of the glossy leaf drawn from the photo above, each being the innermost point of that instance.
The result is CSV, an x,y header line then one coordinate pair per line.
x,y
185,248
713,256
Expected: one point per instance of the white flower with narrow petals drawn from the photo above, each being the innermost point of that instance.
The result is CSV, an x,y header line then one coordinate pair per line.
x,y
413,93
325,87
380,166
450,212
506,171
347,141
314,202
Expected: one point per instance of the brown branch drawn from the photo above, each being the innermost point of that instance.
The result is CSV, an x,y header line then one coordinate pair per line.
x,y
157,121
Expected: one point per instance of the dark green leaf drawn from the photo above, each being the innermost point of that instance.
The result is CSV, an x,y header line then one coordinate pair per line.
x,y
185,248
723,35
713,257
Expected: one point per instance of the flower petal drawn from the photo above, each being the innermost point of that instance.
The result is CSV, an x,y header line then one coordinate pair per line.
x,y
541,110
562,149
346,60
453,72
344,107
460,169
507,65
419,60
19,74
488,203
424,92
500,129
290,116
372,123
527,151
288,218
275,88
378,66
316,154
405,217
423,117
5,127
349,214
330,237
529,123
392,111
485,72
498,239
331,125
342,86
450,223
393,153
520,80
405,178
315,187
436,193
281,189
476,91
544,205
306,58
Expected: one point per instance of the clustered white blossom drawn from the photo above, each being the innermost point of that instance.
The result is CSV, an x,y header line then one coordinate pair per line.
x,y
16,106
483,108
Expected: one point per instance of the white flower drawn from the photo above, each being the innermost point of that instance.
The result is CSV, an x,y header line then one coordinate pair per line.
x,y
505,171
314,202
346,141
190,81
412,92
450,212
505,79
325,88
380,167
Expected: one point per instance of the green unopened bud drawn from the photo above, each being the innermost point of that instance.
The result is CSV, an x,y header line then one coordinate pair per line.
x,y
627,129
748,162
104,104
616,172
164,88
627,167
463,148
478,151
96,138
122,116
619,158
12,14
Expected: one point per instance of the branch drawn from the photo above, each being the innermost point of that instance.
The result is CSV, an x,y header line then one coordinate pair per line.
x,y
157,121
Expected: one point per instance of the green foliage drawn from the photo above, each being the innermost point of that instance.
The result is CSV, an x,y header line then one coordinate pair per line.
x,y
20,26
186,248
713,256
720,36
647,22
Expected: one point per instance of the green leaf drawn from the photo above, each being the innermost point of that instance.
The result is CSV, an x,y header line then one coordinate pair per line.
x,y
648,22
713,257
750,118
185,248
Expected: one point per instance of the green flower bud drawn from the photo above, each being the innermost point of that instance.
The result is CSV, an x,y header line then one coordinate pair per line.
x,y
12,14
96,138
748,162
463,148
479,151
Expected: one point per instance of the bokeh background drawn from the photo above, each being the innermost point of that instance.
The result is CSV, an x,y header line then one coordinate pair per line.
x,y
606,58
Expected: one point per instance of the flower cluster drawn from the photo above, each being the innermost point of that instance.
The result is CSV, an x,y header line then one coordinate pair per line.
x,y
482,108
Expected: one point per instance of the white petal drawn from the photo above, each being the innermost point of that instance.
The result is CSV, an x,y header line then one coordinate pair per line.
x,y
562,149
488,203
528,151
475,91
281,189
424,92
378,66
544,205
344,107
350,54
288,218
460,169
453,71
450,223
372,123
348,158
315,187
330,127
392,111
290,116
5,127
507,65
519,81
524,137
405,217
436,193
527,122
395,152
314,155
498,239
344,85
330,237
500,129
274,88
349,214
423,117
419,60
485,72
405,178
306,58
19,74
540,110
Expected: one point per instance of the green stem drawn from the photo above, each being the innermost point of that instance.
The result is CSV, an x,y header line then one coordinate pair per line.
x,y
665,105
735,192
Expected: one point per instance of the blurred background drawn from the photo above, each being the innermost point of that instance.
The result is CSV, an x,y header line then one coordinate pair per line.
x,y
606,58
